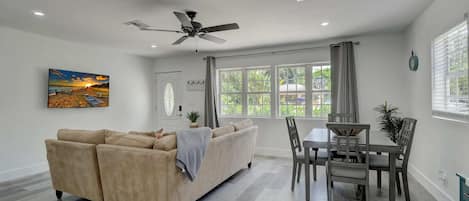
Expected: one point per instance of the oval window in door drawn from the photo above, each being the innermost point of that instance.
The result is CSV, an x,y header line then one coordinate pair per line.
x,y
169,99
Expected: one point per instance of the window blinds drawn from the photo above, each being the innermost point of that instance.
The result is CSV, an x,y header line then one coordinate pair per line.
x,y
450,84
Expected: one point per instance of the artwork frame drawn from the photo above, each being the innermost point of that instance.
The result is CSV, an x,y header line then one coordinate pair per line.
x,y
72,89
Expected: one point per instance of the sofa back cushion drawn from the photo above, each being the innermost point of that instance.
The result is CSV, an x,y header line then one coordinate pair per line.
x,y
124,139
82,136
166,143
158,133
243,124
217,132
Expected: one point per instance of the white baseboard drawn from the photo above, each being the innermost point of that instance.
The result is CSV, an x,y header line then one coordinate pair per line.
x,y
268,151
438,193
18,173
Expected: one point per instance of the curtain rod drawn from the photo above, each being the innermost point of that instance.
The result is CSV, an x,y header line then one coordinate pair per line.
x,y
281,51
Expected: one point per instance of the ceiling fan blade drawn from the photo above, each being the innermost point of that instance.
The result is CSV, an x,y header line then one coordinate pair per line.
x,y
183,19
224,27
137,23
163,30
180,40
212,38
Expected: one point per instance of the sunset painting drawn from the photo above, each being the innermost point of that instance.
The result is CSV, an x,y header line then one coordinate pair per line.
x,y
68,89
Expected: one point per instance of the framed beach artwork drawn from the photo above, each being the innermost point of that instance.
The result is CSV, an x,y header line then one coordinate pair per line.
x,y
69,89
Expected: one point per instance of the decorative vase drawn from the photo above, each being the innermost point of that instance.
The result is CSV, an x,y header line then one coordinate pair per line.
x,y
194,125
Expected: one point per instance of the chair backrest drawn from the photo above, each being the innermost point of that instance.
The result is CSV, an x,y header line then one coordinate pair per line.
x,y
295,141
348,145
341,118
463,188
405,138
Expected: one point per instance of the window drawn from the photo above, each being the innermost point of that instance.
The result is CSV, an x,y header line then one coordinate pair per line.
x,y
301,90
259,92
304,90
321,84
169,99
292,91
450,86
231,92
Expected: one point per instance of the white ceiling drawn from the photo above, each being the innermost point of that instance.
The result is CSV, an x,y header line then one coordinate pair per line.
x,y
262,22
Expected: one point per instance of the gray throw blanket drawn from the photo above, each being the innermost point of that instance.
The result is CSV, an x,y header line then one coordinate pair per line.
x,y
192,144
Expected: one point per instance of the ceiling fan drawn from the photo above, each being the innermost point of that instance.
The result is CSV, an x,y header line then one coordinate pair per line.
x,y
189,27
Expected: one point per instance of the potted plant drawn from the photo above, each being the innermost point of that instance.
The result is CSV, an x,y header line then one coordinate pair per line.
x,y
388,120
193,116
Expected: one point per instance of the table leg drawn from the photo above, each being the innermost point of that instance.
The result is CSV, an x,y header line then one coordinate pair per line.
x,y
392,176
307,178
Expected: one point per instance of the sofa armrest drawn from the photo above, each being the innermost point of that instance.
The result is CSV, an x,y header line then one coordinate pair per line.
x,y
133,173
74,168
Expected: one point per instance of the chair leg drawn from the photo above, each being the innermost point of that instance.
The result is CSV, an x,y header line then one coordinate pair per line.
x,y
329,189
314,164
299,173
367,192
58,194
398,184
293,176
378,175
314,171
406,185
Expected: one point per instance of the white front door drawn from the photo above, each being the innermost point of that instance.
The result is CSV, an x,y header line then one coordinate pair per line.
x,y
169,101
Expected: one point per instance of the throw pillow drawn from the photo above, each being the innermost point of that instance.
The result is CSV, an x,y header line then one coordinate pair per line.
x,y
217,132
123,139
166,143
158,133
242,124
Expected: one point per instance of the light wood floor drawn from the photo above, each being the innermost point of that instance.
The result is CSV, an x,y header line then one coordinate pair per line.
x,y
267,180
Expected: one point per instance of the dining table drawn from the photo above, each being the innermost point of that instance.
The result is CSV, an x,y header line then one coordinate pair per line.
x,y
379,142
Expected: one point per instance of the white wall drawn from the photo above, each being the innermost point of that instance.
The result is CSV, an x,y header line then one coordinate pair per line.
x,y
381,72
438,144
25,120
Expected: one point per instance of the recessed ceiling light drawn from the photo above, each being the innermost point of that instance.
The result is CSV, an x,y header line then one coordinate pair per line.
x,y
38,13
154,46
324,24
300,0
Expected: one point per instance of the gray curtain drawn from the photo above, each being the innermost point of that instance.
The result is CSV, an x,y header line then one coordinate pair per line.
x,y
211,117
344,80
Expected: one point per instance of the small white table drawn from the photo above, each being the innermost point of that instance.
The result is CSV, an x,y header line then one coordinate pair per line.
x,y
379,142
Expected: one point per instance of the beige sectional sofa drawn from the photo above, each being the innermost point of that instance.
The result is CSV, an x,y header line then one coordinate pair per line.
x,y
99,169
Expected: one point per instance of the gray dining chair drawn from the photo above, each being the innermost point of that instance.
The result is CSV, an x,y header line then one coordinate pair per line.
x,y
320,157
352,168
341,117
381,162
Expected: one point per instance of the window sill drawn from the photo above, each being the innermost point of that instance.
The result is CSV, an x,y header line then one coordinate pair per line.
x,y
272,118
452,119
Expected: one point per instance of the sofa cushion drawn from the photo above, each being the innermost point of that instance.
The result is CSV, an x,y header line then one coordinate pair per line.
x,y
82,136
158,133
223,130
123,139
166,143
242,124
